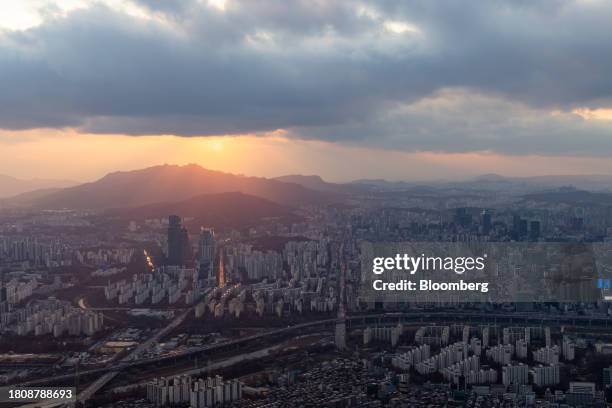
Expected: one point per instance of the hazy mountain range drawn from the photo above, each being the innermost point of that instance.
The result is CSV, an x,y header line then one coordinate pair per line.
x,y
151,189
11,186
497,182
315,182
169,183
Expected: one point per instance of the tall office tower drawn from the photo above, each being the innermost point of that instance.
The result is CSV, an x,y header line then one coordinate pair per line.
x,y
519,228
534,230
463,217
340,335
486,222
178,242
206,257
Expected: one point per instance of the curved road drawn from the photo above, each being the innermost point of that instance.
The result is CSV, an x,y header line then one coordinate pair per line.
x,y
108,373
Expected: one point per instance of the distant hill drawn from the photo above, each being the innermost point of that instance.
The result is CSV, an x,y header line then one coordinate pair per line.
x,y
233,210
27,199
170,183
491,178
584,182
315,182
495,182
382,184
593,182
571,196
12,186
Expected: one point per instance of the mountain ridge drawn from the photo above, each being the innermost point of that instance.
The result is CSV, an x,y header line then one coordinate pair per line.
x,y
12,186
171,183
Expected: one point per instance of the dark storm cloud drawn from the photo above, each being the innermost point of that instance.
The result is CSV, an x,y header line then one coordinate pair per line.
x,y
328,70
458,121
167,6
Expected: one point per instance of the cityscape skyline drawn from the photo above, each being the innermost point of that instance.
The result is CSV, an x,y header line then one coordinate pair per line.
x,y
145,305
305,203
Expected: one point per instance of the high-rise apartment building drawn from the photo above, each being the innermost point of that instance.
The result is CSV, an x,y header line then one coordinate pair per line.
x,y
178,241
206,257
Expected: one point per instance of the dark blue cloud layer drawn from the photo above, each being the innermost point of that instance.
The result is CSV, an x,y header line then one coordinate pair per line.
x,y
328,72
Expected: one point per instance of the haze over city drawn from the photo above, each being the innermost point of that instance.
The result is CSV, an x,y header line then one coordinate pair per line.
x,y
305,203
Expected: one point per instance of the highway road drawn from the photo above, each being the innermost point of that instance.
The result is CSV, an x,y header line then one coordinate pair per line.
x,y
221,363
134,355
94,387
426,317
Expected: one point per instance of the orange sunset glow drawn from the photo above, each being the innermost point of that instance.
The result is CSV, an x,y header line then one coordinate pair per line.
x,y
38,153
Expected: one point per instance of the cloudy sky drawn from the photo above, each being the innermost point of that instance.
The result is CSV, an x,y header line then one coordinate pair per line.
x,y
415,89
